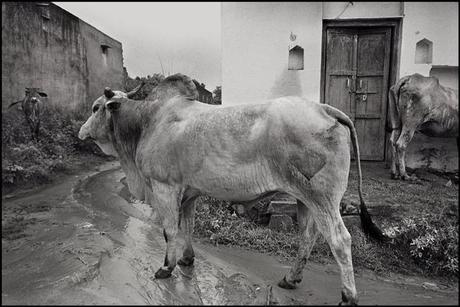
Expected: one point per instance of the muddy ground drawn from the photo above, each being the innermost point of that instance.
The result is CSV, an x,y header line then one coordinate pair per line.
x,y
79,242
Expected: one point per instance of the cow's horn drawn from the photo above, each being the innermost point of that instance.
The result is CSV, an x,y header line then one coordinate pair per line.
x,y
108,92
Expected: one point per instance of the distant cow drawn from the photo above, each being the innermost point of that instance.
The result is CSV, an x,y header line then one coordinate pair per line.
x,y
418,103
174,149
30,105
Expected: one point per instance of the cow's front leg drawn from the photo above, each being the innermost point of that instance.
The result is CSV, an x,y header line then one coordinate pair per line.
x,y
187,225
394,172
167,200
401,145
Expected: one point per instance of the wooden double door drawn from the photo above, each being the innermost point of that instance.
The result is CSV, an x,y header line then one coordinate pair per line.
x,y
357,64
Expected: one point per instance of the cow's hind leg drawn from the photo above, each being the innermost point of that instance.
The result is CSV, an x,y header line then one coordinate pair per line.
x,y
187,225
308,238
167,199
330,224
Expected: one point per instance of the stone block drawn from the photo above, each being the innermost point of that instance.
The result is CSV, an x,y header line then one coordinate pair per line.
x,y
281,222
287,207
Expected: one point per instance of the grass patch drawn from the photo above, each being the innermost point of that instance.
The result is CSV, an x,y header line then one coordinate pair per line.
x,y
414,249
216,221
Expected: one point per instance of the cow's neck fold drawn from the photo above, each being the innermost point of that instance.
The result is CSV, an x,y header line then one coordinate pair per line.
x,y
128,123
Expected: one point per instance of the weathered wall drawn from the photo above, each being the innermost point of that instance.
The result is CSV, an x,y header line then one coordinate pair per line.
x,y
59,54
102,72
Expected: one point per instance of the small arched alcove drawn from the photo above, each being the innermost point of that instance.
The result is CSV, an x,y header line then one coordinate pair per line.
x,y
424,52
295,61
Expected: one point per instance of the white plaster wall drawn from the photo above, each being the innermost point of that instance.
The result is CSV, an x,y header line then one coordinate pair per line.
x,y
447,75
255,42
435,21
343,10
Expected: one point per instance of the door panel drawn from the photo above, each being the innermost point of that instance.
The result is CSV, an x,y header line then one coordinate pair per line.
x,y
340,53
340,70
372,86
370,138
338,95
357,72
372,75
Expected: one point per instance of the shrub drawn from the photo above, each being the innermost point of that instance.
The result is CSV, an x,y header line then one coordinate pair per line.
x,y
432,241
35,161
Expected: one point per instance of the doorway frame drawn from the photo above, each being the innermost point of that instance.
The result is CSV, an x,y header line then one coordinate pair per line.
x,y
395,24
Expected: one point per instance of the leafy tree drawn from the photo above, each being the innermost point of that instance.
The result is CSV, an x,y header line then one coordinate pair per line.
x,y
217,98
151,81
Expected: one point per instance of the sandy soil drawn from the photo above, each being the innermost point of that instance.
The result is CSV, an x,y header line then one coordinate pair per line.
x,y
80,242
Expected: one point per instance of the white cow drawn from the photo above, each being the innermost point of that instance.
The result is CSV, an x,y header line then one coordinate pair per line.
x,y
174,149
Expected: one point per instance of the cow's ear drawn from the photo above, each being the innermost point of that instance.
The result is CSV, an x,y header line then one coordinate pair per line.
x,y
113,105
42,94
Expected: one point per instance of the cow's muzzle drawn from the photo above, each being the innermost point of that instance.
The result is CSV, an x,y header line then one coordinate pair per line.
x,y
83,134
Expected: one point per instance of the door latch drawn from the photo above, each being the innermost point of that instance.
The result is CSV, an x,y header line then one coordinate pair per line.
x,y
348,85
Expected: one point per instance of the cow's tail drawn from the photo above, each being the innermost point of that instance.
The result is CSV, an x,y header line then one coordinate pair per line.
x,y
366,222
13,103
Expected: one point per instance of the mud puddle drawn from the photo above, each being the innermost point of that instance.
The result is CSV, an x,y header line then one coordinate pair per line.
x,y
97,248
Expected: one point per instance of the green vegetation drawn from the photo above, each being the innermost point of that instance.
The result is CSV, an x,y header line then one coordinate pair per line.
x,y
150,83
27,162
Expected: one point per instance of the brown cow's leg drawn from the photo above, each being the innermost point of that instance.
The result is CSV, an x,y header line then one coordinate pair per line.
x,y
187,225
31,125
394,172
309,235
166,199
401,146
37,130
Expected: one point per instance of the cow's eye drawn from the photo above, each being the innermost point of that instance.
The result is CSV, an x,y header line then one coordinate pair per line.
x,y
95,108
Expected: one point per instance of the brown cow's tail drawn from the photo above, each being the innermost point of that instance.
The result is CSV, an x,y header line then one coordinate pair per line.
x,y
366,222
13,103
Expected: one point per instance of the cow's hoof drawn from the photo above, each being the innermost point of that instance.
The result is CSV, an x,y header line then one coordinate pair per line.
x,y
395,176
347,304
348,301
163,273
186,261
286,285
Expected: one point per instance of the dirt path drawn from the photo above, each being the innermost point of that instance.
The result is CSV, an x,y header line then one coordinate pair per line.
x,y
82,243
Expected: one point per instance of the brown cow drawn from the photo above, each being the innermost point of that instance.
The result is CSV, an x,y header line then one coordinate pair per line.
x,y
174,149
30,105
418,103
